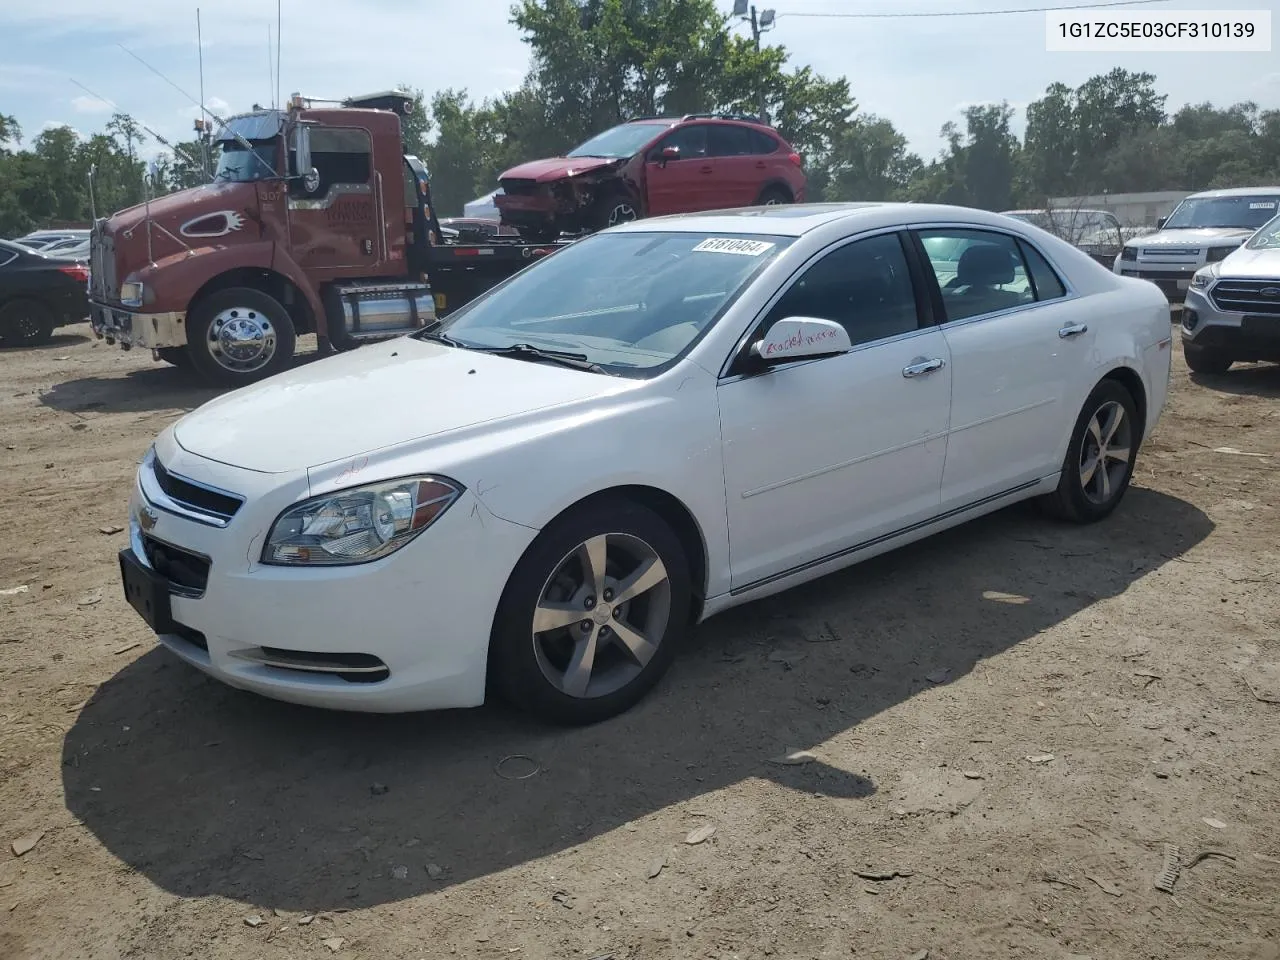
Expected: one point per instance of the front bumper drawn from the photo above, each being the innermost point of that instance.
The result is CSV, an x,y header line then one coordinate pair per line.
x,y
424,613
1244,337
150,330
1174,280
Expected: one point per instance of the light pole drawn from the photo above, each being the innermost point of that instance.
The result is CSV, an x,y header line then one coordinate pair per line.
x,y
763,23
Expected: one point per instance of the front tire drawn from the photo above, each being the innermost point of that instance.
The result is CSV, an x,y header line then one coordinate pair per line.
x,y
25,323
613,208
1100,456
593,614
1206,359
238,336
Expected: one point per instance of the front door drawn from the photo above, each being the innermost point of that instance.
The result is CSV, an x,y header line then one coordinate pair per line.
x,y
822,456
684,184
1016,344
337,227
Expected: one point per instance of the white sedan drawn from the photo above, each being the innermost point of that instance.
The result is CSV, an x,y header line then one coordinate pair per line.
x,y
542,494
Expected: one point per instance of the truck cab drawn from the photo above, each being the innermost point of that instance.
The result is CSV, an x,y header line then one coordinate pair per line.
x,y
315,221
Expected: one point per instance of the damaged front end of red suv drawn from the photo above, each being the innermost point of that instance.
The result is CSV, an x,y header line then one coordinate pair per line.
x,y
546,198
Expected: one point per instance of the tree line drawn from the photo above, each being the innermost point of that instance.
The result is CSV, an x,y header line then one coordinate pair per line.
x,y
596,63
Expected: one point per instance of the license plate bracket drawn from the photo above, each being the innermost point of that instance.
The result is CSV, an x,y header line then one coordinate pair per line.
x,y
147,592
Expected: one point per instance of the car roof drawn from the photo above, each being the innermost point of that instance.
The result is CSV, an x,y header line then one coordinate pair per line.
x,y
1055,210
1237,192
795,220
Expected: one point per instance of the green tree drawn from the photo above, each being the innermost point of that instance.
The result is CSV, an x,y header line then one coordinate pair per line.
x,y
870,161
455,159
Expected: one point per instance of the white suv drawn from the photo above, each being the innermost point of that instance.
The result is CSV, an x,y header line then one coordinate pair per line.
x,y
1204,228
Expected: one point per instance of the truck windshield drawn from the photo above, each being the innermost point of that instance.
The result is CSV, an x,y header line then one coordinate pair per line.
x,y
623,141
238,165
1245,213
630,302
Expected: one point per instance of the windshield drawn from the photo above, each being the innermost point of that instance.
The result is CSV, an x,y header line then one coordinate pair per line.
x,y
1268,238
623,141
630,302
1247,213
239,165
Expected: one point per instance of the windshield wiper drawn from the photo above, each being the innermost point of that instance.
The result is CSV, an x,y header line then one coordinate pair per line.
x,y
578,361
441,338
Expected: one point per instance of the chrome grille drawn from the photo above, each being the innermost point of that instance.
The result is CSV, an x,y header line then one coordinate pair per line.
x,y
209,503
1165,253
1248,296
102,263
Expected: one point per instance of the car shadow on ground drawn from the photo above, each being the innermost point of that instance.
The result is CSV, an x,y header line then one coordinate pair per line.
x,y
1255,380
162,387
211,792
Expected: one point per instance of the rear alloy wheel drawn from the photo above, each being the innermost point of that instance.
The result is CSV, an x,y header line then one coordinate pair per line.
x,y
25,323
593,614
239,336
1100,457
773,196
1206,359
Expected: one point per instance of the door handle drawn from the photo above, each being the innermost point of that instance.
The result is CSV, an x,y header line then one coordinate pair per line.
x,y
921,367
707,170
1073,330
760,164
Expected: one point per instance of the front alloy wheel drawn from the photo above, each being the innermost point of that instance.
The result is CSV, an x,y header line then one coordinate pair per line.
x,y
592,614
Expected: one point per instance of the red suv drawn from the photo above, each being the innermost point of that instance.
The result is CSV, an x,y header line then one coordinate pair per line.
x,y
649,167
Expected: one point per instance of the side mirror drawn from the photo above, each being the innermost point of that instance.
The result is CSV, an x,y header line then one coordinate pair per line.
x,y
666,155
799,337
302,159
1161,222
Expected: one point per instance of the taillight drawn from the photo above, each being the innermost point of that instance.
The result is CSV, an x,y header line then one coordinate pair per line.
x,y
796,159
76,271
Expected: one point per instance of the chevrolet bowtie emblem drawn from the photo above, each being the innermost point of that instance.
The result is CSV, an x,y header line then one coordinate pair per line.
x,y
146,517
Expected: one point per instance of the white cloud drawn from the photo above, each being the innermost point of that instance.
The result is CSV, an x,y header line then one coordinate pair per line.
x,y
215,105
87,104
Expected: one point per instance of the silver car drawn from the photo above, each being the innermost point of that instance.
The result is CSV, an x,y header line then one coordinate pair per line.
x,y
1204,228
1232,311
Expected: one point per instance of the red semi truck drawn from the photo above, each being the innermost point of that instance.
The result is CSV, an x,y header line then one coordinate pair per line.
x,y
315,222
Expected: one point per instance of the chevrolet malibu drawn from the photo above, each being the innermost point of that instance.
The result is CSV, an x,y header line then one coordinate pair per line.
x,y
542,494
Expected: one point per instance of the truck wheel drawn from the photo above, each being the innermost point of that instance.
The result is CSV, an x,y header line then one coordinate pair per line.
x,y
238,336
25,323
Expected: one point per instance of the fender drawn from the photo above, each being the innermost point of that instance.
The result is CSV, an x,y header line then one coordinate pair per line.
x,y
284,265
173,280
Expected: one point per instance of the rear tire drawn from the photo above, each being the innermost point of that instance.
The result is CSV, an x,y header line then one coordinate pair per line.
x,y
239,336
1206,359
773,196
1100,457
575,646
25,323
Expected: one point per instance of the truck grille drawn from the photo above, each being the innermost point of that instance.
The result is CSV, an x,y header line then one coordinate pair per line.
x,y
520,188
102,263
1248,296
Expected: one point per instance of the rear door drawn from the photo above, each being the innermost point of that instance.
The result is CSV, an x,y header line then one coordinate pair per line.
x,y
1017,343
683,185
736,173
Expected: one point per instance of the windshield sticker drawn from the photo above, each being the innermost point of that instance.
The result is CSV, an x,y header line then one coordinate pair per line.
x,y
745,248
1263,206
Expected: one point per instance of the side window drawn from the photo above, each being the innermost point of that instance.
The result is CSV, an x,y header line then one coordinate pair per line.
x,y
690,139
864,286
410,187
1046,284
979,272
726,140
341,155
762,143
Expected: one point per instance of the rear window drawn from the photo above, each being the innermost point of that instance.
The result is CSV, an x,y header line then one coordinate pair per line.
x,y
730,141
762,142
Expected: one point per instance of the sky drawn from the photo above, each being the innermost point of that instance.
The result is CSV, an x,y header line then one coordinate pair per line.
x,y
917,72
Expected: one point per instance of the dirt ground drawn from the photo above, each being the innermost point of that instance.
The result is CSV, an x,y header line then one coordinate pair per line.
x,y
1007,723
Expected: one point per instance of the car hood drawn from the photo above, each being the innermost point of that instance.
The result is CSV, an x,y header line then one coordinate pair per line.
x,y
557,168
1199,237
1246,264
376,397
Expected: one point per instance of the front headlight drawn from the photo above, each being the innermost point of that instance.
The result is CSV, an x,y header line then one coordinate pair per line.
x,y
359,524
131,294
1204,276
1128,253
1219,253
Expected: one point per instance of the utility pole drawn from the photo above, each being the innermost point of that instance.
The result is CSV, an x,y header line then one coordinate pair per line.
x,y
762,23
